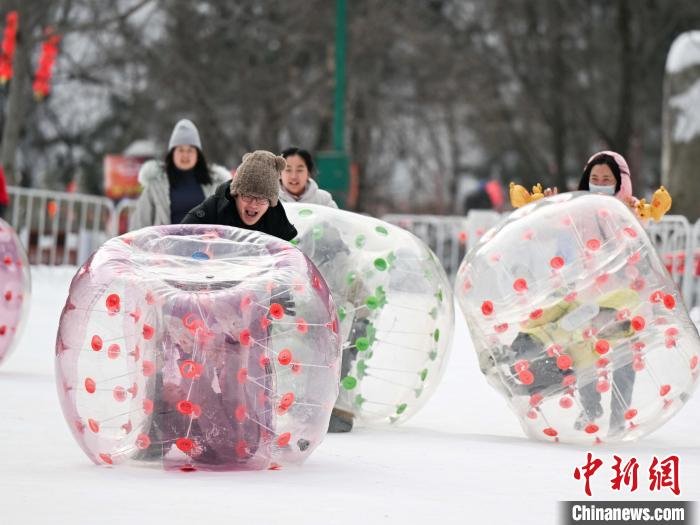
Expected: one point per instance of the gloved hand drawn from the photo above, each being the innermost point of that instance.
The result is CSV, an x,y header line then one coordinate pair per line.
x,y
282,295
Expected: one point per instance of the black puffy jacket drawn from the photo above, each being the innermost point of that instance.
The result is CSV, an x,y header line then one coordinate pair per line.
x,y
220,208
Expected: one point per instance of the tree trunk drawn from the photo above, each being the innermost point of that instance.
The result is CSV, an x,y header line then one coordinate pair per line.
x,y
681,140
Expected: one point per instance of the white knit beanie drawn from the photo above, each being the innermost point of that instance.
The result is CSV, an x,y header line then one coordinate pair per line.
x,y
185,134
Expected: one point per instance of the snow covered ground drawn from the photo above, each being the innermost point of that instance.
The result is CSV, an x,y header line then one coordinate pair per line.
x,y
462,459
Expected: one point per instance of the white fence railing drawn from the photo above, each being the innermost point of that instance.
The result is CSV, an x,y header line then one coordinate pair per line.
x,y
59,228
450,238
65,228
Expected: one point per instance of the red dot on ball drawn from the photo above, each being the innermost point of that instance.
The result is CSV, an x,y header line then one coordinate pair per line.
x,y
556,262
669,301
591,428
96,343
283,439
564,362
602,346
285,357
526,377
520,285
276,311
638,323
593,244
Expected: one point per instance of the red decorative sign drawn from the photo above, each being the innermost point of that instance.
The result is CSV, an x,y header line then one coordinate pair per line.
x,y
121,176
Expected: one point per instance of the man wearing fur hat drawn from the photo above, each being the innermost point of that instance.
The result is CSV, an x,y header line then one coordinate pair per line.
x,y
250,200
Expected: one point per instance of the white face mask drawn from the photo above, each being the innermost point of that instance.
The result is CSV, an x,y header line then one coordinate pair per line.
x,y
605,190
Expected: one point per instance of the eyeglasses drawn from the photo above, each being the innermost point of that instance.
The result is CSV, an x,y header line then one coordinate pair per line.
x,y
249,199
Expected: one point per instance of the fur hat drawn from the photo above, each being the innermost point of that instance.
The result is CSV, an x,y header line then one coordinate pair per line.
x,y
185,134
259,176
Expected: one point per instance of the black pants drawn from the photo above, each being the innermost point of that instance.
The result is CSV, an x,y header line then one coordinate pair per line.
x,y
622,387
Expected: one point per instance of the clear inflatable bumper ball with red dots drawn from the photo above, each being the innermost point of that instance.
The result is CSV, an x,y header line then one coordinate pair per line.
x,y
198,347
15,289
395,307
576,321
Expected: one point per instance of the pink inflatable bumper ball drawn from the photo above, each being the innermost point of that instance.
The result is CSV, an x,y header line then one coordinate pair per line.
x,y
198,347
576,321
15,289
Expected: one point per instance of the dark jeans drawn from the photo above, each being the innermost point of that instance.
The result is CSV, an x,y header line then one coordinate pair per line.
x,y
233,426
622,387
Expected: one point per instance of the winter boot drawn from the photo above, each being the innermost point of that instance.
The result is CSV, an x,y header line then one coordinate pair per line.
x,y
341,421
588,416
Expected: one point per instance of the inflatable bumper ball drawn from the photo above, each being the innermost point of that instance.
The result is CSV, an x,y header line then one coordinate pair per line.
x,y
576,321
15,289
395,307
186,346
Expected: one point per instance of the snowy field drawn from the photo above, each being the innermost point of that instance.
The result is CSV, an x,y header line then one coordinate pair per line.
x,y
462,459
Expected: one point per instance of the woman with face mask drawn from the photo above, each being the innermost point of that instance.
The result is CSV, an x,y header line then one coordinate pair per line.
x,y
607,173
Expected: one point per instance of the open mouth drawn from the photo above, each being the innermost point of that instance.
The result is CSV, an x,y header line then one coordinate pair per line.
x,y
251,214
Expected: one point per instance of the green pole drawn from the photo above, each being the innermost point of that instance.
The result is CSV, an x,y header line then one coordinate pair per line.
x,y
339,96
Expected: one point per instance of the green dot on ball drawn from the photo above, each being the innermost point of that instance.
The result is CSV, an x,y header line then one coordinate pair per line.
x,y
380,264
362,343
424,374
360,241
401,408
381,230
348,382
372,302
436,335
305,212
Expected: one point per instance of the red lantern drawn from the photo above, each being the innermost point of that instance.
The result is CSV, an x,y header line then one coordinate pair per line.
x,y
9,40
42,79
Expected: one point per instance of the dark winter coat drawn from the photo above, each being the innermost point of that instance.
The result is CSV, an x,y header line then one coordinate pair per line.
x,y
153,206
220,208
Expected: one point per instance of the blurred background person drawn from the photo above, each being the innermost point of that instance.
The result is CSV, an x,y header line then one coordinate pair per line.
x,y
182,181
297,184
488,195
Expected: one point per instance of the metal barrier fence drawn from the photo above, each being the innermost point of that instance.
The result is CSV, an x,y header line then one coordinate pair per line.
x,y
59,228
693,267
452,237
65,228
672,237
